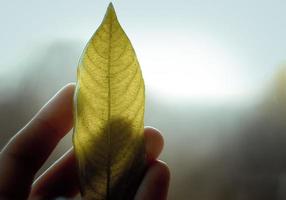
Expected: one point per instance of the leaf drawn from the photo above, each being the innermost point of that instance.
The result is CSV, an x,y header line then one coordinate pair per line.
x,y
109,115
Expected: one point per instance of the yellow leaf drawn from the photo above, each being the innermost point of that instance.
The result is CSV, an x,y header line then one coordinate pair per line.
x,y
109,115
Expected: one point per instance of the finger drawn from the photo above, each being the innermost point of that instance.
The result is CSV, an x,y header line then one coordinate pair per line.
x,y
61,178
30,147
155,183
154,143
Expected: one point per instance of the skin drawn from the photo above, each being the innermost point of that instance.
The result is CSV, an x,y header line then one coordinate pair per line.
x,y
27,151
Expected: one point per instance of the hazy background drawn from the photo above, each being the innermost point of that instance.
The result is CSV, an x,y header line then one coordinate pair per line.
x,y
214,78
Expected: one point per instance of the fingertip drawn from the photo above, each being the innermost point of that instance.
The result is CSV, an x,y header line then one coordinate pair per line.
x,y
59,108
154,143
69,87
155,183
71,84
162,171
67,90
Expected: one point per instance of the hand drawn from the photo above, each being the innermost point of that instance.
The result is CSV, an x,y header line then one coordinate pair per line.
x,y
26,152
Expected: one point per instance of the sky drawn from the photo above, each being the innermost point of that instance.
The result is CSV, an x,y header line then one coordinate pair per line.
x,y
186,48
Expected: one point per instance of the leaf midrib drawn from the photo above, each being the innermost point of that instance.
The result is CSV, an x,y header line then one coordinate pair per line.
x,y
108,170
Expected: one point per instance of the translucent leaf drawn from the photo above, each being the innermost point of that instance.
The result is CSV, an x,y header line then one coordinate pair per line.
x,y
109,115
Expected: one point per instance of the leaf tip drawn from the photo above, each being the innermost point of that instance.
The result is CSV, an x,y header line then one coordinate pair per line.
x,y
110,9
110,6
110,14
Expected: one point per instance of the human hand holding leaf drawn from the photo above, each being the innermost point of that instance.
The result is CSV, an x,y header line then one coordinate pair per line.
x,y
108,136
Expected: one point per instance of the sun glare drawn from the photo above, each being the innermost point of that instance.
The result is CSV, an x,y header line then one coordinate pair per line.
x,y
192,68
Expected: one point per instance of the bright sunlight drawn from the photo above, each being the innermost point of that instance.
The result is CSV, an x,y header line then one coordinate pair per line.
x,y
191,68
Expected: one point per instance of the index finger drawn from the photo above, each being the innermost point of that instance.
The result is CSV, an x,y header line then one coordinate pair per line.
x,y
30,147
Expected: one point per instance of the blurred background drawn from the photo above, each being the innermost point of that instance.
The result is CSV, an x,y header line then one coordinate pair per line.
x,y
216,85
